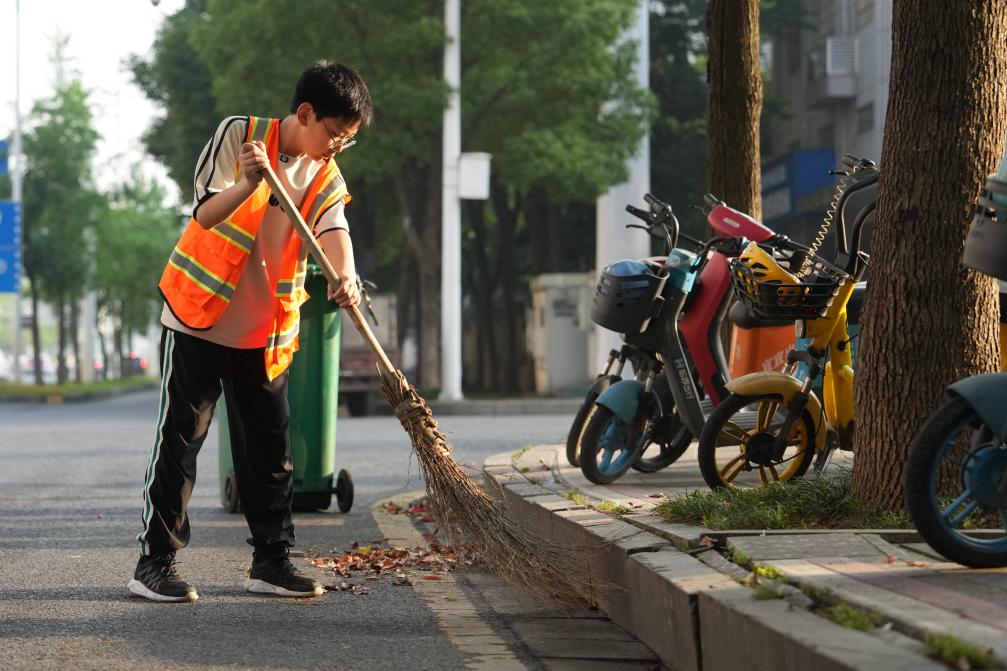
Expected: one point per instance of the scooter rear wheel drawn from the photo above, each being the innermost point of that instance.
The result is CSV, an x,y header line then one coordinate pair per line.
x,y
735,446
952,484
609,445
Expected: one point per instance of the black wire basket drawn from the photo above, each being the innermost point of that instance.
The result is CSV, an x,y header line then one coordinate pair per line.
x,y
773,300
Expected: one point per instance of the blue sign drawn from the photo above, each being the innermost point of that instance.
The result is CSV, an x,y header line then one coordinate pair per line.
x,y
791,177
10,246
3,157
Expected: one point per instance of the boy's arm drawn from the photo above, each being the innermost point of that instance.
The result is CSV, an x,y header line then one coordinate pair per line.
x,y
338,250
221,206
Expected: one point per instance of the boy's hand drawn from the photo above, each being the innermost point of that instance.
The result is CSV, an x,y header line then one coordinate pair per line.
x,y
253,159
347,294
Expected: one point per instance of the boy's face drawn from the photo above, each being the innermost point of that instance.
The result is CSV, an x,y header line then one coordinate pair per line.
x,y
334,134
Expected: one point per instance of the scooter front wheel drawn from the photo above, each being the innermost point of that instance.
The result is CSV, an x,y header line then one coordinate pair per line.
x,y
670,441
580,420
609,445
736,446
953,486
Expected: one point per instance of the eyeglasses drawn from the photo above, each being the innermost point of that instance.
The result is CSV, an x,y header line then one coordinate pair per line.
x,y
341,144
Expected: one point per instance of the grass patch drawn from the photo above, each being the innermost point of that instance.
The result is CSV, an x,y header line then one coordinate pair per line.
x,y
740,558
812,502
852,618
574,495
769,572
525,469
959,654
607,506
72,389
816,593
765,591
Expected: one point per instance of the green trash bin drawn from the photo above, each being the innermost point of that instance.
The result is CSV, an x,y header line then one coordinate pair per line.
x,y
312,389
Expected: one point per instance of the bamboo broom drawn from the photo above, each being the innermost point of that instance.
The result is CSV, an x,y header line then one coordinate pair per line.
x,y
464,510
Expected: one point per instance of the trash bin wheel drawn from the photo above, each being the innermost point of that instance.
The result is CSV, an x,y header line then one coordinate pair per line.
x,y
344,491
229,497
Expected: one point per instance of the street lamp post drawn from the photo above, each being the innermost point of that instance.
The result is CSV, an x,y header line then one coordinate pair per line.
x,y
451,244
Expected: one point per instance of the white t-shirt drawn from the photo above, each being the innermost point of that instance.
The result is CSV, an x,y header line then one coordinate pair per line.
x,y
248,319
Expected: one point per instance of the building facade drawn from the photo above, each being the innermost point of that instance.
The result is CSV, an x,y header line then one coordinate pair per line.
x,y
829,71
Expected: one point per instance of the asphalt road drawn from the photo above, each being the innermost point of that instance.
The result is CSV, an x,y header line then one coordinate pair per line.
x,y
70,500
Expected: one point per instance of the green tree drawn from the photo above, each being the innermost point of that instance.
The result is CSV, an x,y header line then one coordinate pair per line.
x,y
59,202
544,91
678,134
176,79
561,116
131,243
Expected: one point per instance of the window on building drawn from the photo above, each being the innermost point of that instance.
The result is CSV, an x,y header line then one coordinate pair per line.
x,y
865,12
865,118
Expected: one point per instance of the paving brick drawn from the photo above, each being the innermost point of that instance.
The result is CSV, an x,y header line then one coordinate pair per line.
x,y
738,631
804,546
572,628
662,588
597,665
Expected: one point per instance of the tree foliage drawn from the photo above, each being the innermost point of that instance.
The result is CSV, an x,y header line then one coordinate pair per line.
x,y
132,237
177,80
59,198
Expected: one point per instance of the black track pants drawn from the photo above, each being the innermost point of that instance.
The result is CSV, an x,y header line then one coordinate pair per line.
x,y
193,373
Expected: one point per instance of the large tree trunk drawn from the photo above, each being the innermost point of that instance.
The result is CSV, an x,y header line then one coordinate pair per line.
x,y
419,207
734,104
483,284
927,320
78,368
507,220
36,340
61,327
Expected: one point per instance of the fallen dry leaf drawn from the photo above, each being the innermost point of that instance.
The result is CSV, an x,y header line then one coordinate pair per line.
x,y
890,559
431,577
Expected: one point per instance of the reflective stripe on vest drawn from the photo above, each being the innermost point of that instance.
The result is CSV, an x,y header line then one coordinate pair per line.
x,y
203,269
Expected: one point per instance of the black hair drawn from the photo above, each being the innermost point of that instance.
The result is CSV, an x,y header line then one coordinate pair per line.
x,y
334,90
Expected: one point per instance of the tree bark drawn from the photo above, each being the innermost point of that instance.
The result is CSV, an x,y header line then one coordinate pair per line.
x,y
927,320
36,340
483,283
419,205
61,328
734,104
78,368
507,220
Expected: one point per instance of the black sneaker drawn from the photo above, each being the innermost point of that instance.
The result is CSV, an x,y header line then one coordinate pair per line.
x,y
276,575
156,579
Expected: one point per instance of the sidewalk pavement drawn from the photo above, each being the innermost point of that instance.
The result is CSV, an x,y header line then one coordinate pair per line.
x,y
677,590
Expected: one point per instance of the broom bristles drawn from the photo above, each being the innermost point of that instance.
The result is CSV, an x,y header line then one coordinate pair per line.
x,y
469,514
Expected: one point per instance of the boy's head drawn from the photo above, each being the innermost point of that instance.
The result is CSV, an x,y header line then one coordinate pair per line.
x,y
336,91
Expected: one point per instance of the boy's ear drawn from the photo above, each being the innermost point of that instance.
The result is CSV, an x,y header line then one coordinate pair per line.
x,y
305,113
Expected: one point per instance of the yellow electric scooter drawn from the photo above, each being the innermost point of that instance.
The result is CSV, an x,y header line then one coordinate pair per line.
x,y
791,425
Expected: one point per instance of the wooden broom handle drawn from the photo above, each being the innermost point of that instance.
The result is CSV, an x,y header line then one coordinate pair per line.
x,y
330,274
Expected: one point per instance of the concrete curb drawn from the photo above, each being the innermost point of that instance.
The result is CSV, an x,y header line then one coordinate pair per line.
x,y
507,406
58,397
694,617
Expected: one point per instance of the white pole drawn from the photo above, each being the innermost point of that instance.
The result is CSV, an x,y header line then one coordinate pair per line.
x,y
451,242
15,180
613,240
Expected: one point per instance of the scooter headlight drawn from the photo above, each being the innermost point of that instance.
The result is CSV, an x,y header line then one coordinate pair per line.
x,y
799,328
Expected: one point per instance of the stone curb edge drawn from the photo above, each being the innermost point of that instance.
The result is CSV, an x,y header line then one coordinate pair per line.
x,y
694,617
57,397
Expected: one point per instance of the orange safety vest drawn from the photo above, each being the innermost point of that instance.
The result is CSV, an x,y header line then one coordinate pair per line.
x,y
206,264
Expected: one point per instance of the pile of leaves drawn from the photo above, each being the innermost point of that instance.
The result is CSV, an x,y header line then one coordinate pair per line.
x,y
377,561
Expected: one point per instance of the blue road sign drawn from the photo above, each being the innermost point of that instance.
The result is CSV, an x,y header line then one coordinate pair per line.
x,y
10,246
4,153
